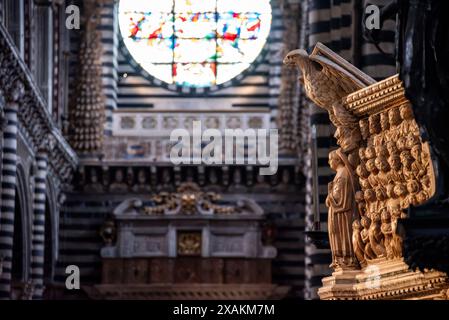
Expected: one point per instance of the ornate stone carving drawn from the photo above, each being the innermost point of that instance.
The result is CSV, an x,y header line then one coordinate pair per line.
x,y
161,178
28,290
289,89
35,122
342,211
189,222
87,106
108,232
94,184
189,200
395,169
444,295
119,185
382,166
189,243
327,79
142,184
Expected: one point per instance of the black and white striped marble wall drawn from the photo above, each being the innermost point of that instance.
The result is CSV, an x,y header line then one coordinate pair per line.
x,y
377,64
109,40
38,222
8,195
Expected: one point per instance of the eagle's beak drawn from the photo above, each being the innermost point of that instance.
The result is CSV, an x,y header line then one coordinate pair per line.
x,y
289,60
294,56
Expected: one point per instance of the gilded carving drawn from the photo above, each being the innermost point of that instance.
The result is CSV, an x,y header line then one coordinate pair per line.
x,y
189,243
444,295
108,232
188,200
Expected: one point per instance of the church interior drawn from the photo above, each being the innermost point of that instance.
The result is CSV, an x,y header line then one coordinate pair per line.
x,y
118,180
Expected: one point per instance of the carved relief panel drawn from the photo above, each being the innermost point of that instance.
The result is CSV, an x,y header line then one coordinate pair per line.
x,y
394,169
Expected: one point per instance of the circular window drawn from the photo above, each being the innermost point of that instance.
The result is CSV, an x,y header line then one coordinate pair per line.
x,y
195,43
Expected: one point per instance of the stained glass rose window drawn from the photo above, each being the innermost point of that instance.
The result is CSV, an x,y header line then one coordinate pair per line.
x,y
195,43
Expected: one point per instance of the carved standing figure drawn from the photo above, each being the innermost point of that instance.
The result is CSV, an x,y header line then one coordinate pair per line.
x,y
376,237
383,168
357,242
397,236
364,234
395,174
342,211
408,124
387,232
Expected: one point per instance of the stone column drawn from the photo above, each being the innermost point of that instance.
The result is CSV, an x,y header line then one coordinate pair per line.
x,y
87,113
287,115
38,228
8,186
3,124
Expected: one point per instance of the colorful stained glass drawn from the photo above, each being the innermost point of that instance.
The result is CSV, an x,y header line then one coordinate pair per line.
x,y
195,25
194,74
151,25
204,50
195,5
195,43
156,50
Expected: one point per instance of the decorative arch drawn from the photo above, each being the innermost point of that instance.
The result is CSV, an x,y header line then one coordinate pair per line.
x,y
51,229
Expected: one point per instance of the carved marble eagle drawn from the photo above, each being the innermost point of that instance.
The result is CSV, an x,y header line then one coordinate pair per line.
x,y
327,78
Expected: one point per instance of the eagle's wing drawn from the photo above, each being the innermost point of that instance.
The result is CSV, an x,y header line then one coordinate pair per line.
x,y
340,71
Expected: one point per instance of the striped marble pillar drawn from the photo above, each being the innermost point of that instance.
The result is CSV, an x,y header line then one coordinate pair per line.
x,y
38,233
8,187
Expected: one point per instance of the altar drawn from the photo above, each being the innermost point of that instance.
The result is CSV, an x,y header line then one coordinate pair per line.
x,y
186,245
